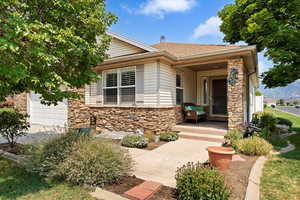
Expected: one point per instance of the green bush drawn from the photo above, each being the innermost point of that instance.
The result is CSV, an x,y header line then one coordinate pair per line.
x,y
168,136
232,138
284,121
134,141
254,146
196,181
12,125
95,162
150,137
267,122
46,156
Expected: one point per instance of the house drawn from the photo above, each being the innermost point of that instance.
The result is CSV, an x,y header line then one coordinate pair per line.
x,y
270,101
144,86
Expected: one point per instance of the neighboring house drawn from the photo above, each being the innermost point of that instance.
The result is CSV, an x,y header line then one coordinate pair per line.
x,y
270,101
144,86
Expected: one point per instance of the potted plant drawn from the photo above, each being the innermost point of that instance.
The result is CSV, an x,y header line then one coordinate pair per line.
x,y
220,157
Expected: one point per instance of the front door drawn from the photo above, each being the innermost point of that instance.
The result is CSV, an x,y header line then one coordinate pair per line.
x,y
219,97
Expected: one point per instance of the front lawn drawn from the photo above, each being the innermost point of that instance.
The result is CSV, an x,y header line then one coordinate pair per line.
x,y
293,118
16,183
281,174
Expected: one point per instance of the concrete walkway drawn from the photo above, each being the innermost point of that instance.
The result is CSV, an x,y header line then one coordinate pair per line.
x,y
160,164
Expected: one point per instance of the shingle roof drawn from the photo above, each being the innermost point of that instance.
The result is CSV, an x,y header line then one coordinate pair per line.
x,y
189,49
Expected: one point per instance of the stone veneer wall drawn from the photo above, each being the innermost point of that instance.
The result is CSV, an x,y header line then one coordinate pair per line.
x,y
237,96
21,103
123,118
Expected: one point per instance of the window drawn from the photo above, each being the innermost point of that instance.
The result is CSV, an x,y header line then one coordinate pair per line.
x,y
127,88
110,89
119,86
179,89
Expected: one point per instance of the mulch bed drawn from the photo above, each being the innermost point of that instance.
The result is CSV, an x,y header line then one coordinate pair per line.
x,y
236,179
19,149
124,185
237,176
165,193
153,145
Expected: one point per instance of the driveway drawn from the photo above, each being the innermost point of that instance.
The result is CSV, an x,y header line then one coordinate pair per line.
x,y
160,164
38,133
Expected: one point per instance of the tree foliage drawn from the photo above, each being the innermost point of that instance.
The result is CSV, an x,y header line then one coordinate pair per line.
x,y
272,25
49,43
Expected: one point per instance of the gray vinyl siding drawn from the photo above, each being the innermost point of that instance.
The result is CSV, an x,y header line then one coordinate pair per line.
x,y
150,84
167,89
140,84
119,48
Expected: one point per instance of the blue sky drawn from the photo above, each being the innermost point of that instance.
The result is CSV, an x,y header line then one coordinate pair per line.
x,y
193,21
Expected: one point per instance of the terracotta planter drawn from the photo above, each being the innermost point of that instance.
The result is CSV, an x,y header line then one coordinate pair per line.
x,y
220,157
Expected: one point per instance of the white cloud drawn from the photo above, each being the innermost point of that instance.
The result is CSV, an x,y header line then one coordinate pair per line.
x,y
161,7
210,27
127,8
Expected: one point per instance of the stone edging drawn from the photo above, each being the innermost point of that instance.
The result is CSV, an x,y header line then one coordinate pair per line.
x,y
252,192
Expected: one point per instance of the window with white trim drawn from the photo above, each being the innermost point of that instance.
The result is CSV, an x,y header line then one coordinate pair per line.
x,y
179,89
119,86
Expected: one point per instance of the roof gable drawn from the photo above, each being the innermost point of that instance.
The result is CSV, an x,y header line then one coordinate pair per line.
x,y
131,42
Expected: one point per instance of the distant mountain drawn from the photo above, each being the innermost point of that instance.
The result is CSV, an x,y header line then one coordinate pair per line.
x,y
290,91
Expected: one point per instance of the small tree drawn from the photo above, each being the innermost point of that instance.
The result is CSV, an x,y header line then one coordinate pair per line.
x,y
13,125
296,102
280,102
258,93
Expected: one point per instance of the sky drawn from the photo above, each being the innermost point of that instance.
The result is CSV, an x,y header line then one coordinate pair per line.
x,y
193,21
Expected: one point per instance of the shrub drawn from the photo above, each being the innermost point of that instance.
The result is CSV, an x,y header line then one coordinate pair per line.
x,y
134,141
254,146
45,157
273,106
196,181
284,121
168,136
232,137
258,93
96,163
150,137
12,125
266,121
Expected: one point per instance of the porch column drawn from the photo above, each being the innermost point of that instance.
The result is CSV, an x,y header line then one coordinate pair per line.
x,y
236,86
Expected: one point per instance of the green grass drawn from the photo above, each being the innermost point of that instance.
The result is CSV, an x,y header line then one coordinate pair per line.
x,y
281,174
293,118
17,184
6,109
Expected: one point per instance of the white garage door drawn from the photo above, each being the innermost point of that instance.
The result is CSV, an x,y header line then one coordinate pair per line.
x,y
47,115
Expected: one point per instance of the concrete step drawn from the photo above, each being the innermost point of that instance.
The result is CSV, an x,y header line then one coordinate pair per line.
x,y
202,137
200,130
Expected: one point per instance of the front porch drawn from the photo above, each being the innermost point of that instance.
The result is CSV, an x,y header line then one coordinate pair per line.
x,y
220,86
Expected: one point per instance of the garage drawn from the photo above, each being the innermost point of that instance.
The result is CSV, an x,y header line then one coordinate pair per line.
x,y
47,115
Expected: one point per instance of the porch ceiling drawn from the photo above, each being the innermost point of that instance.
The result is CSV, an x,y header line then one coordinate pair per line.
x,y
211,66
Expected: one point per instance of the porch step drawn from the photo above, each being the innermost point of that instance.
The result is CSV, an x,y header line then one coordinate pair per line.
x,y
202,137
200,130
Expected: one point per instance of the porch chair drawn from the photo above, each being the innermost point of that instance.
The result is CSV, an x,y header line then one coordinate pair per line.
x,y
195,112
